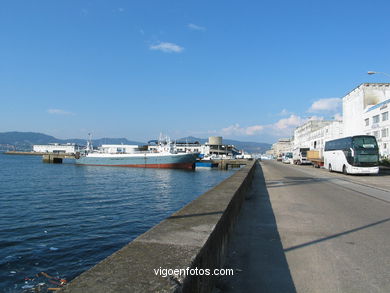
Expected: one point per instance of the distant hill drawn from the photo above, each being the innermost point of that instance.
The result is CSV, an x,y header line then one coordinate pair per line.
x,y
250,147
25,140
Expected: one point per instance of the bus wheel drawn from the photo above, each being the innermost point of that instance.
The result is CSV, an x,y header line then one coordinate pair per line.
x,y
345,170
330,168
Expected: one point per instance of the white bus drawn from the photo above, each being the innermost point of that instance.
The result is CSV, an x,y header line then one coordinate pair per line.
x,y
352,155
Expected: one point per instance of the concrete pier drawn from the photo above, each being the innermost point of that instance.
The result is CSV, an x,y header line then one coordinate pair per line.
x,y
235,163
55,158
24,153
195,237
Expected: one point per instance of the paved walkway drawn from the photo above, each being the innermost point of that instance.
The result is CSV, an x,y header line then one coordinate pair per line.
x,y
303,233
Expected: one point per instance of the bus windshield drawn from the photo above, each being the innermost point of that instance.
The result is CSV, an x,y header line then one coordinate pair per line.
x,y
366,151
365,142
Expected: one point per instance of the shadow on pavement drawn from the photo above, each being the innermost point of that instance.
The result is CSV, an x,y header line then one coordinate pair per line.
x,y
255,251
290,181
336,235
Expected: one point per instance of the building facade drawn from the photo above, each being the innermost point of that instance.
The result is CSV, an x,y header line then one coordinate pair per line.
x,y
376,122
303,135
365,112
333,130
284,145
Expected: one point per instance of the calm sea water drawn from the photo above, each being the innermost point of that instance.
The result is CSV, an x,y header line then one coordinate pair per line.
x,y
62,219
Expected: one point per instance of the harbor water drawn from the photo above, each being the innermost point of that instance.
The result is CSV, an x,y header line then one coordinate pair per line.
x,y
62,219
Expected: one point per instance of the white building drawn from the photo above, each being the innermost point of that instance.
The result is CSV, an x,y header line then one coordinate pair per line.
x,y
214,146
376,122
284,145
333,130
69,148
303,135
365,111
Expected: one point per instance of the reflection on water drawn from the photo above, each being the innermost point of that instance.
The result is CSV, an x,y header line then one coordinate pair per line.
x,y
62,218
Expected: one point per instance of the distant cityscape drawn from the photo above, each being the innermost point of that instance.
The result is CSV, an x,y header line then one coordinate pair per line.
x,y
365,112
24,141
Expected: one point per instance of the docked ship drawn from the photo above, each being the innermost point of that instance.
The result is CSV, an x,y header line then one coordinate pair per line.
x,y
163,155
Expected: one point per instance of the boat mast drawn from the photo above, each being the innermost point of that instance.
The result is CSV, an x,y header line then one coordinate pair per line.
x,y
89,143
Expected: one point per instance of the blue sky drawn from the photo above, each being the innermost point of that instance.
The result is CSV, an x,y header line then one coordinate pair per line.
x,y
247,70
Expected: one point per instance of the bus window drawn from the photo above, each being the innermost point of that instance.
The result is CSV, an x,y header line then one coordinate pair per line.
x,y
365,142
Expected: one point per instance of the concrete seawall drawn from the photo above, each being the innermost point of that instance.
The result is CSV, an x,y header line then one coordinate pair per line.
x,y
196,237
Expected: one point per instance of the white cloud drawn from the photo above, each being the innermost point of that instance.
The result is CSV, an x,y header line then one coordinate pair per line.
x,y
330,104
282,127
232,130
252,130
292,121
59,112
167,47
196,27
118,10
284,112
236,129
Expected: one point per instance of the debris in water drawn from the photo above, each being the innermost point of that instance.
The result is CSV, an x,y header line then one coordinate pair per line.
x,y
53,280
53,248
12,272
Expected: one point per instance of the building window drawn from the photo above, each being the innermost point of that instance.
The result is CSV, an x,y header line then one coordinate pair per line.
x,y
385,132
367,120
385,145
385,116
375,119
376,134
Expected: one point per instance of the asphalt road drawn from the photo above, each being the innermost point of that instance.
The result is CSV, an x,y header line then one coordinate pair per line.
x,y
305,230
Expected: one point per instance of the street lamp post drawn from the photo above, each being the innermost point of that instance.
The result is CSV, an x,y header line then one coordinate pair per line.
x,y
376,72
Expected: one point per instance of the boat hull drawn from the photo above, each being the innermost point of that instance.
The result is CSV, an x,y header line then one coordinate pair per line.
x,y
149,160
